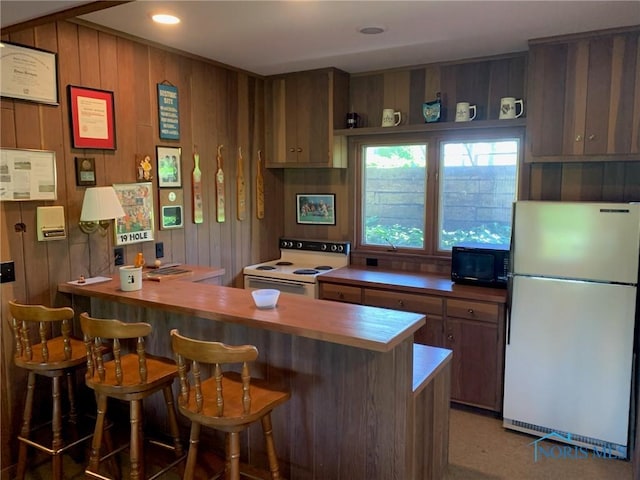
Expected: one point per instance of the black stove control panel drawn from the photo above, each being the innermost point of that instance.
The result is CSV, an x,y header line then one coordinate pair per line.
x,y
315,245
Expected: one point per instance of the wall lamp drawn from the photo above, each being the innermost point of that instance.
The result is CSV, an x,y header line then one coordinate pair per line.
x,y
99,207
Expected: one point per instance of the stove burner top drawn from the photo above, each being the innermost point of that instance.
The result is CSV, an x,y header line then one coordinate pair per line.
x,y
305,271
323,267
282,264
265,267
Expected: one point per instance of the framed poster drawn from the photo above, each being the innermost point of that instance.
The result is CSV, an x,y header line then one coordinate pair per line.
x,y
316,209
85,172
137,202
169,167
27,174
28,74
92,118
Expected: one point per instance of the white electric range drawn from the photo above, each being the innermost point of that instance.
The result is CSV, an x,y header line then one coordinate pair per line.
x,y
299,265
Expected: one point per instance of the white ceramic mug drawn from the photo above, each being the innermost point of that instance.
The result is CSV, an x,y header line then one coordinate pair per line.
x,y
463,112
508,108
391,118
130,278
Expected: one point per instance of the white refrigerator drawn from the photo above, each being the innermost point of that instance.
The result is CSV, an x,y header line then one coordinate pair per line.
x,y
569,357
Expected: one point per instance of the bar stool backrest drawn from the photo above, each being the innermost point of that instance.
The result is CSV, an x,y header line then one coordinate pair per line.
x,y
191,355
96,332
42,335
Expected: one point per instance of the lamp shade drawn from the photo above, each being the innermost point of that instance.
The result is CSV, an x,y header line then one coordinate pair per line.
x,y
100,203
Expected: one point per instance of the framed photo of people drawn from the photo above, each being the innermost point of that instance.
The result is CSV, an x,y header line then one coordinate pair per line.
x,y
169,167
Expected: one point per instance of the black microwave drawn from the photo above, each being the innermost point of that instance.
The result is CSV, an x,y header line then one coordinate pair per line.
x,y
480,265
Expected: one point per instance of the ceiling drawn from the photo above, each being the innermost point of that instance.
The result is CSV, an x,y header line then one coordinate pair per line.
x,y
270,37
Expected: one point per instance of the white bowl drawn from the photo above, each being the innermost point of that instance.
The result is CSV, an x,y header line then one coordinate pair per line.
x,y
265,297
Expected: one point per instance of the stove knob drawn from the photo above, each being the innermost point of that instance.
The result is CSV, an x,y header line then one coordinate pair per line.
x,y
340,248
299,245
323,247
333,248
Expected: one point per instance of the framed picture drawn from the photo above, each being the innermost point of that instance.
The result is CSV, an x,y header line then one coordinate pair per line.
x,y
169,167
92,118
137,202
316,208
85,172
27,174
28,74
171,209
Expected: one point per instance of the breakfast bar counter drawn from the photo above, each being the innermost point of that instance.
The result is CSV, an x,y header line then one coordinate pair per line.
x,y
366,402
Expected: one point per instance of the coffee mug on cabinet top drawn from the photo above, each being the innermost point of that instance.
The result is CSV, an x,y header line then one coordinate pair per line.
x,y
391,118
508,108
464,112
353,120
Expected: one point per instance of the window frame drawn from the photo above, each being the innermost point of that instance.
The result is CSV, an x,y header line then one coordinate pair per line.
x,y
434,141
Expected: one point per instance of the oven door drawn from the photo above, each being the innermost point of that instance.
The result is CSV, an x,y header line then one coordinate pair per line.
x,y
285,286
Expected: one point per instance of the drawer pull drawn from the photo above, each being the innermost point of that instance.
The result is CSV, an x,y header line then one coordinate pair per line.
x,y
450,337
470,311
341,296
401,303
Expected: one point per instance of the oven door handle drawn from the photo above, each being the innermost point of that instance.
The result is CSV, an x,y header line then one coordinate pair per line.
x,y
272,280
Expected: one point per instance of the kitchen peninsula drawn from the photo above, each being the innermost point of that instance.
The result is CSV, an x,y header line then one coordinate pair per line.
x,y
366,402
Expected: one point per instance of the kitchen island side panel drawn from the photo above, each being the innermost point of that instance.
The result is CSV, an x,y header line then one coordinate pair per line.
x,y
350,408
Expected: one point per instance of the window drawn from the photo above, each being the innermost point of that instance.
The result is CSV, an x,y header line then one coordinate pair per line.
x,y
424,193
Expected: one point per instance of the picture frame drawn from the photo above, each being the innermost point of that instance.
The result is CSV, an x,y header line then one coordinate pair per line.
x,y
171,212
92,118
27,174
137,202
28,73
169,166
85,172
316,208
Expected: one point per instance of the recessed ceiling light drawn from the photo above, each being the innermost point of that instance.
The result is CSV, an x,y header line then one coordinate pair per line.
x,y
371,30
165,19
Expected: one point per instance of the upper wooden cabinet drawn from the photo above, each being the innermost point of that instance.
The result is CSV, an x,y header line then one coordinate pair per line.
x,y
303,108
584,97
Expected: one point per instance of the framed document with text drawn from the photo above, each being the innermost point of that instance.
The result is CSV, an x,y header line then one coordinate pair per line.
x,y
28,74
92,118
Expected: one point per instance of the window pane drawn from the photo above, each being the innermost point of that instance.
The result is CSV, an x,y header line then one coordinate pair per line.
x,y
477,190
394,184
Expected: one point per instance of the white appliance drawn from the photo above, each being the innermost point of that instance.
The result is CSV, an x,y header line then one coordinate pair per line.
x,y
297,269
569,357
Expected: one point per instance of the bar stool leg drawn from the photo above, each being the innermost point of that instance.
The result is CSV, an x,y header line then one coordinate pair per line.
x,y
173,421
232,463
73,414
271,448
135,449
96,442
26,426
56,426
194,440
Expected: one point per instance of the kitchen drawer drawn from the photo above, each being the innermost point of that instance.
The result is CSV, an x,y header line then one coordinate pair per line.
x,y
341,293
408,302
487,312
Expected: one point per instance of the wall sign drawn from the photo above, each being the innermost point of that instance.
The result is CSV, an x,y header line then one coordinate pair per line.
x,y
85,172
28,74
168,114
137,202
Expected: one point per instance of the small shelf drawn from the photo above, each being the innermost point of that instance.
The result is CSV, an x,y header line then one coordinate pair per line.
x,y
431,127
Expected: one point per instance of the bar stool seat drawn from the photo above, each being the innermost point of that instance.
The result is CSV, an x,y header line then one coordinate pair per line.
x,y
226,401
44,346
131,377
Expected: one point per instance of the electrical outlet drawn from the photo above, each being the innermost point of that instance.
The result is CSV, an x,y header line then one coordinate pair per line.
x,y
159,249
7,272
118,256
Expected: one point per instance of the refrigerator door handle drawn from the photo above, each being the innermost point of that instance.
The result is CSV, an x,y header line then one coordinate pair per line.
x,y
509,298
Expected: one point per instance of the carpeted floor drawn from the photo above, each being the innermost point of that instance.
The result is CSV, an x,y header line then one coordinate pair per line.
x,y
481,449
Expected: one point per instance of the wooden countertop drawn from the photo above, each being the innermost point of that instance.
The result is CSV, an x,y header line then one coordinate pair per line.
x,y
359,326
374,277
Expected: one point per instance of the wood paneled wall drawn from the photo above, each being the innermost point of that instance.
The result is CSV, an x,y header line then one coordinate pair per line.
x,y
217,105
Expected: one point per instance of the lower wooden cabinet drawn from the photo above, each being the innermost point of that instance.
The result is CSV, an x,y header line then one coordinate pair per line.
x,y
473,330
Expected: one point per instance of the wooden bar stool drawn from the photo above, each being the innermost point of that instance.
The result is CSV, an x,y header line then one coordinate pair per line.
x,y
130,377
44,346
227,401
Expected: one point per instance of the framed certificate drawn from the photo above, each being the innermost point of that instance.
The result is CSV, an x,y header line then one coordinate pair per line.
x,y
92,118
28,74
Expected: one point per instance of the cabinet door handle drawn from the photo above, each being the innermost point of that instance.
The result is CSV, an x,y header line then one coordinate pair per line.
x,y
592,137
470,311
578,137
341,296
450,337
292,150
299,149
401,303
